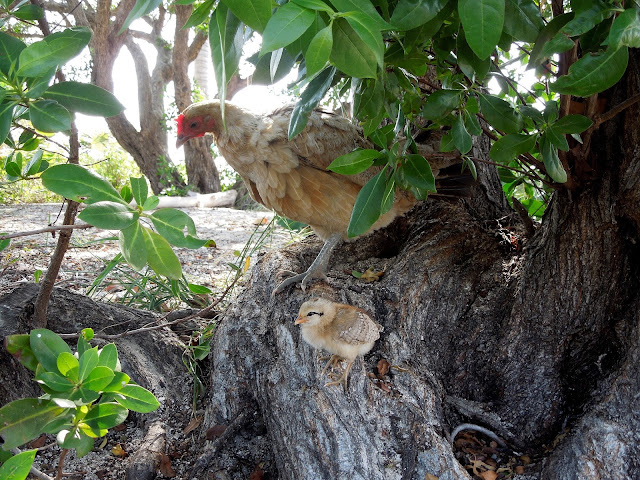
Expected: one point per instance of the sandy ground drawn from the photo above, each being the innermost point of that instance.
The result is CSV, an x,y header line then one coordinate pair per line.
x,y
91,250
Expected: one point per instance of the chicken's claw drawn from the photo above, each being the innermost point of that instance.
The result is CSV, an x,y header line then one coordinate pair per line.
x,y
317,269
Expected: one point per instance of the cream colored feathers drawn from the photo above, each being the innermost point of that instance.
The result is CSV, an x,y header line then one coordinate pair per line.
x,y
342,330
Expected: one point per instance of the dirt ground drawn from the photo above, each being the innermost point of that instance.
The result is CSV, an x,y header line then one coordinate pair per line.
x,y
91,250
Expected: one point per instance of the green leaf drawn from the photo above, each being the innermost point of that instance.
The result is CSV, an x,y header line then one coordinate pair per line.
x,y
288,23
88,361
126,194
68,365
522,20
49,116
28,12
98,379
557,139
317,5
139,189
226,39
366,8
199,15
13,169
263,74
593,73
10,48
625,31
510,146
53,51
74,182
20,347
317,54
500,114
354,162
132,246
410,14
461,138
368,33
18,466
108,215
84,98
350,53
24,419
551,161
160,256
309,100
171,224
548,32
140,9
108,356
150,203
6,115
198,289
482,21
119,381
415,169
106,415
255,13
572,124
33,166
46,347
368,205
441,103
55,382
472,66
137,399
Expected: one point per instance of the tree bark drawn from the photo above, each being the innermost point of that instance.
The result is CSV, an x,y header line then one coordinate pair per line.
x,y
202,173
539,344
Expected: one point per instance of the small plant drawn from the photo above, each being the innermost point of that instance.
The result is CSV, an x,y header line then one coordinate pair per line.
x,y
85,394
146,289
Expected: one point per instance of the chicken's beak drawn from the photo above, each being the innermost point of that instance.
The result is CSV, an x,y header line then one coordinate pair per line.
x,y
300,320
182,139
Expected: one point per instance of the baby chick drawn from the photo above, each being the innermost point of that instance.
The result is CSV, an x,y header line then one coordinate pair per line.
x,y
342,330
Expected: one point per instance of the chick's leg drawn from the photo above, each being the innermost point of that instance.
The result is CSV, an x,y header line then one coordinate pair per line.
x,y
317,269
343,378
332,361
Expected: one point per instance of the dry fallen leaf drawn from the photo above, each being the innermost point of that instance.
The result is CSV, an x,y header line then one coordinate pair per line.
x,y
428,476
193,424
383,367
118,451
371,276
260,221
215,431
165,466
488,475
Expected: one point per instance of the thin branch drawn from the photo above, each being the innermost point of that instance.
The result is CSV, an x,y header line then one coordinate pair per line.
x,y
605,117
56,228
200,313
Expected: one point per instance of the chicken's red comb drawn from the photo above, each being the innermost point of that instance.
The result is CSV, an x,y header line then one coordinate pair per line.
x,y
180,122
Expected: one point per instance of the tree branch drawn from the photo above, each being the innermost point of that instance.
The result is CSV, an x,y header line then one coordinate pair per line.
x,y
53,228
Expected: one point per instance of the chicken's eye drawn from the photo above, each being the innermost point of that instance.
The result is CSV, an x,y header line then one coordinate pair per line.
x,y
194,124
314,313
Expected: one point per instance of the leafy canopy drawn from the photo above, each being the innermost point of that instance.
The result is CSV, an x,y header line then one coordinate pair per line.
x,y
421,64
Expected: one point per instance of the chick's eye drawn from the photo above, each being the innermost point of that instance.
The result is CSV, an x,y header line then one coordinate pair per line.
x,y
314,313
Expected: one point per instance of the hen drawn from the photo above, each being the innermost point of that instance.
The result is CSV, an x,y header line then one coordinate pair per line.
x,y
342,330
290,176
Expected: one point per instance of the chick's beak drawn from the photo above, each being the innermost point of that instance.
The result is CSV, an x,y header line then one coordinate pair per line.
x,y
300,320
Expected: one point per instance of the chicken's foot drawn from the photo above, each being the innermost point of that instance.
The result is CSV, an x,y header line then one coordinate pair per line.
x,y
317,269
343,378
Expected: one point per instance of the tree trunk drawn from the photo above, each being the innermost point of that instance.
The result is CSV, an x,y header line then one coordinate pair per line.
x,y
202,173
539,344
